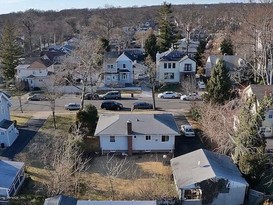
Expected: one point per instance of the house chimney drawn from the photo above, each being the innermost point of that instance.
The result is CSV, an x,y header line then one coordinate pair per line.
x,y
129,127
129,137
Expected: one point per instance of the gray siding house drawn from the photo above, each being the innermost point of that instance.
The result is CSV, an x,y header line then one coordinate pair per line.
x,y
205,177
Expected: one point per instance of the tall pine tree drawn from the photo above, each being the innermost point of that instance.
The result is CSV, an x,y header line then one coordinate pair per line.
x,y
249,141
10,51
151,47
167,35
219,85
226,46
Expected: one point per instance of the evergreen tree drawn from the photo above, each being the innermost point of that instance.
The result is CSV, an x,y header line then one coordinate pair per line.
x,y
151,47
200,50
226,47
249,152
10,51
219,84
167,35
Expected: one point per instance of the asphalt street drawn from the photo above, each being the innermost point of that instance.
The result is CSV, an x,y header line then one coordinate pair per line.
x,y
40,110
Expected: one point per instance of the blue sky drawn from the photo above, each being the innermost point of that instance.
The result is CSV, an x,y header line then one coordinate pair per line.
x,y
7,6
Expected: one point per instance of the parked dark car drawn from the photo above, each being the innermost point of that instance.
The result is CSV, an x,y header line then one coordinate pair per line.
x,y
91,96
142,105
111,105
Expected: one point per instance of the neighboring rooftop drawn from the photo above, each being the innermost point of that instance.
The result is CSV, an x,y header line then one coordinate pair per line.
x,y
8,172
5,124
201,165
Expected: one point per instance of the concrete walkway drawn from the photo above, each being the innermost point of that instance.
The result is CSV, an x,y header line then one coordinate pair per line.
x,y
26,134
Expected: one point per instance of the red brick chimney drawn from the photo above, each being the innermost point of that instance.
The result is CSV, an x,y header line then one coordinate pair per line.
x,y
129,137
129,127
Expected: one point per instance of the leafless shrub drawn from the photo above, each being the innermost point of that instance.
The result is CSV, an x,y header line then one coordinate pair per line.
x,y
218,125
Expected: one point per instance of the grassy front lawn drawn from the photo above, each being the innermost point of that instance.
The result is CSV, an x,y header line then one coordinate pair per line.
x,y
170,87
20,119
63,122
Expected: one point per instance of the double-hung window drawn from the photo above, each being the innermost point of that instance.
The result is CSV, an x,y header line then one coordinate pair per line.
x,y
112,139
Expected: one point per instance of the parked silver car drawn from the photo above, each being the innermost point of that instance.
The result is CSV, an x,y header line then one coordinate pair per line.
x,y
111,95
72,106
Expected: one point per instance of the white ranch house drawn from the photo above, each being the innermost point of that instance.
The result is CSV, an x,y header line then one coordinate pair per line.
x,y
134,133
174,66
8,131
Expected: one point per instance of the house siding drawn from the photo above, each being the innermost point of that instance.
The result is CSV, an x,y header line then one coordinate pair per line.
x,y
115,75
139,142
169,74
268,121
4,108
8,136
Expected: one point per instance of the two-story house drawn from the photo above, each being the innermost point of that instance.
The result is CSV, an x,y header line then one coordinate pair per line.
x,y
174,66
8,131
54,56
37,73
260,91
187,46
118,69
239,70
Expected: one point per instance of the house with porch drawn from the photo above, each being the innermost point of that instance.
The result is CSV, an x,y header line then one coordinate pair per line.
x,y
12,175
206,177
36,73
174,66
136,133
8,131
118,69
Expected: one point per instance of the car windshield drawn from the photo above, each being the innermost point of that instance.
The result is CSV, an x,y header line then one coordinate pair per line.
x,y
188,130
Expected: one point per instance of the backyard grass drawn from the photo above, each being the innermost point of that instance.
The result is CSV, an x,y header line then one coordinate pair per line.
x,y
144,178
20,119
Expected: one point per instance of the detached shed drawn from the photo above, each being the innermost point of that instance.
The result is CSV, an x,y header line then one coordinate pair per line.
x,y
205,177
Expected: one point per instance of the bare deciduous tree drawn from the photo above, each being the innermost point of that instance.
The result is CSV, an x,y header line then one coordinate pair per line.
x,y
19,91
86,62
115,167
152,76
218,125
189,85
63,159
52,93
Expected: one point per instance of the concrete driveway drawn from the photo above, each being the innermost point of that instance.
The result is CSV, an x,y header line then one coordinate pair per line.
x,y
26,133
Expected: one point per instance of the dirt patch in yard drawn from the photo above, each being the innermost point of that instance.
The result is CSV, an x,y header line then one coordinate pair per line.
x,y
145,178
